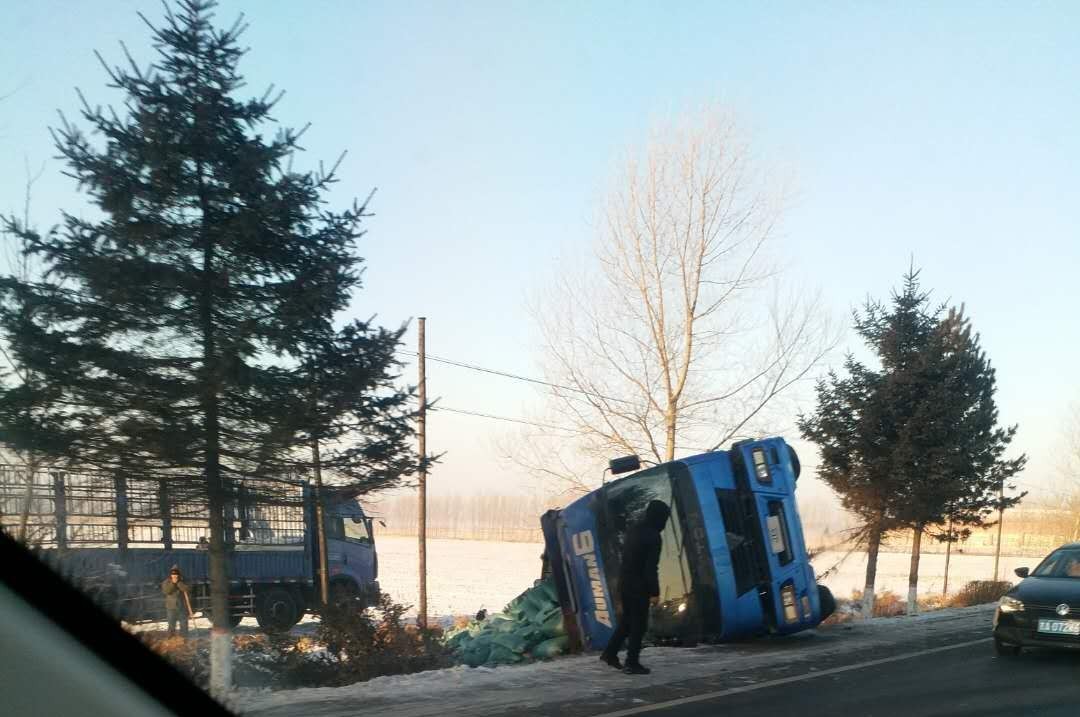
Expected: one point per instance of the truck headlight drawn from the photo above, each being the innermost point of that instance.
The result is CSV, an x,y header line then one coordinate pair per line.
x,y
787,597
1010,604
761,465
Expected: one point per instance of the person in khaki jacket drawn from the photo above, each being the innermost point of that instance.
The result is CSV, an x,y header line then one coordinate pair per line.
x,y
177,601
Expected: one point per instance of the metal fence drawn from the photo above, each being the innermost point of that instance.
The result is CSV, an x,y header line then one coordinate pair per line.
x,y
64,508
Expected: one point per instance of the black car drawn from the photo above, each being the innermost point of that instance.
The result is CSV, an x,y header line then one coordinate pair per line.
x,y
1044,609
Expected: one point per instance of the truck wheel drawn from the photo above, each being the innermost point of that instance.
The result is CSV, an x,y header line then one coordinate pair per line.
x,y
344,594
233,621
796,467
276,610
826,601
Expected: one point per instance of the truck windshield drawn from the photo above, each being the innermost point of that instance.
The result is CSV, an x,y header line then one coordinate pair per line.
x,y
621,505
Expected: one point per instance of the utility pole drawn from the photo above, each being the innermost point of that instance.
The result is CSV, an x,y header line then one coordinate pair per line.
x,y
320,529
948,555
421,430
1001,519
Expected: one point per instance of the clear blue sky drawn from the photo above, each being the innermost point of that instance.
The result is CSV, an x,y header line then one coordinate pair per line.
x,y
947,132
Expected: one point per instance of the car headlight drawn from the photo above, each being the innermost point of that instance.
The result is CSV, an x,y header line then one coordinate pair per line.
x,y
1010,604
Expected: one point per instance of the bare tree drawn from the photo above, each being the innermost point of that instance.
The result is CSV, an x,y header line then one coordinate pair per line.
x,y
1070,464
678,338
1069,469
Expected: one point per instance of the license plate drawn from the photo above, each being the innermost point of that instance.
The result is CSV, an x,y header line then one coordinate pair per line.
x,y
1060,627
776,534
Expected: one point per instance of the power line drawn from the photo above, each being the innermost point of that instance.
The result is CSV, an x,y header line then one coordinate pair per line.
x,y
534,423
516,377
522,421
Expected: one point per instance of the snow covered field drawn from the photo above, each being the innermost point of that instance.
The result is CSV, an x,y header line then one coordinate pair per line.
x,y
466,575
463,575
892,571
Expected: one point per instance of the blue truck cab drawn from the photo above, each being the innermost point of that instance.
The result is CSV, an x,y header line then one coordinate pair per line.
x,y
733,563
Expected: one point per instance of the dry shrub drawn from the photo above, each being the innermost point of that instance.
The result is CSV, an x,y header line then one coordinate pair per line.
x,y
979,592
348,646
377,642
886,604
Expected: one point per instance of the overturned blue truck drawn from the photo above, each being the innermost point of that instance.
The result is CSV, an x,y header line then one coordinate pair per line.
x,y
734,562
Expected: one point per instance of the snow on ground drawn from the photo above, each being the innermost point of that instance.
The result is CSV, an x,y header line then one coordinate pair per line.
x,y
892,571
466,575
463,575
474,691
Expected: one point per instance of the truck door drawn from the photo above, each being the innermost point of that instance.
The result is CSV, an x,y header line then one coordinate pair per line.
x,y
350,552
358,551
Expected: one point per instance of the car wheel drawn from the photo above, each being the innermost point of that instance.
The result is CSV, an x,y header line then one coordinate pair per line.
x,y
1004,649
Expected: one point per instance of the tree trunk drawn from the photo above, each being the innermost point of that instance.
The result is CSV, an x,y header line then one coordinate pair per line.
x,y
670,420
913,574
28,502
24,517
221,632
948,557
320,526
872,548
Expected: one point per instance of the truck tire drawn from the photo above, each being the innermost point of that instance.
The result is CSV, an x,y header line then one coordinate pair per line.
x,y
233,621
345,593
276,610
796,466
826,601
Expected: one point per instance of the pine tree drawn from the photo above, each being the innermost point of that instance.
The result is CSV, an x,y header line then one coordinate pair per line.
x,y
953,463
178,325
913,443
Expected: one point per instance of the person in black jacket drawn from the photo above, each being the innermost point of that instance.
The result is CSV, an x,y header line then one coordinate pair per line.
x,y
639,587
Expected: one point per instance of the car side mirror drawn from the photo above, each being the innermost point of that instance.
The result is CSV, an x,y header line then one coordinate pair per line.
x,y
1022,572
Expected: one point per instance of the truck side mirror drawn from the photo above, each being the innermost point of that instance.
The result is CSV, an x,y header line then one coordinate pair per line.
x,y
1022,572
357,519
624,465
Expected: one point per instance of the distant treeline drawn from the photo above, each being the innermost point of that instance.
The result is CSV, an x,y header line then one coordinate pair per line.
x,y
1027,530
466,517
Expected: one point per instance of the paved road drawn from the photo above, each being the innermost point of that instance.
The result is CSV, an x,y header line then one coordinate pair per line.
x,y
950,670
937,664
963,681
956,682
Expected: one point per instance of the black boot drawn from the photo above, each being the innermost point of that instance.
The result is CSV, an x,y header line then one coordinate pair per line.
x,y
636,668
611,660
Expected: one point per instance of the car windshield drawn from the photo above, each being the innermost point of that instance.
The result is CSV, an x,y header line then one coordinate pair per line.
x,y
1063,563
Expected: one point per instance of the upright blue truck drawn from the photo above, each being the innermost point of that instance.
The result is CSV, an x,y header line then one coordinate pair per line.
x,y
118,536
734,562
